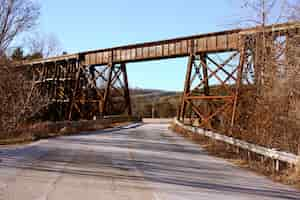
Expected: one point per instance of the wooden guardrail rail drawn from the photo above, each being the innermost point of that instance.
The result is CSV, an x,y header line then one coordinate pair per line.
x,y
270,153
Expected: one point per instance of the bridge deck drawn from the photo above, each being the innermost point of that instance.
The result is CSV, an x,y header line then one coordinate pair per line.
x,y
178,47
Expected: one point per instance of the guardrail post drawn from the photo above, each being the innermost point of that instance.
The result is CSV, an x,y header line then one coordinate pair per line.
x,y
249,155
262,159
277,165
237,150
298,162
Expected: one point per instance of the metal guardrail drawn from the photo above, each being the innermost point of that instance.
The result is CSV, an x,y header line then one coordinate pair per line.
x,y
271,153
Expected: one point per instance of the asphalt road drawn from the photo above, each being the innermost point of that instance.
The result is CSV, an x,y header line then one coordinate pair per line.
x,y
137,162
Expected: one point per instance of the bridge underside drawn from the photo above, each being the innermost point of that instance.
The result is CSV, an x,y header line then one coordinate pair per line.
x,y
83,92
95,83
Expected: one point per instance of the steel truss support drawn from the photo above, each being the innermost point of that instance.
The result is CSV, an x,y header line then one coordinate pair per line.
x,y
126,89
100,91
76,91
117,96
211,89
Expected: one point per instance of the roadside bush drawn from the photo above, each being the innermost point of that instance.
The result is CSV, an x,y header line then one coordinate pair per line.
x,y
20,99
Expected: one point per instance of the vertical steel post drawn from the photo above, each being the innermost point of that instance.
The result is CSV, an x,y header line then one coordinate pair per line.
x,y
205,73
126,89
187,86
107,89
203,59
239,81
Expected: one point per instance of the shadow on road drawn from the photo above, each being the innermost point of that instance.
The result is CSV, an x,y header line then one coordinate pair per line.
x,y
105,155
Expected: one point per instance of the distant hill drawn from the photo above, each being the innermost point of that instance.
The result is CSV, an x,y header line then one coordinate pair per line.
x,y
151,94
162,103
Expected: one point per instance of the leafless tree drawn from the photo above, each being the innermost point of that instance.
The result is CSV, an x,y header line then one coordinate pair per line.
x,y
16,16
265,12
46,45
20,98
269,118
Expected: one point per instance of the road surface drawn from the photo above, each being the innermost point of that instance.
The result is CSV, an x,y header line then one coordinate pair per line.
x,y
138,162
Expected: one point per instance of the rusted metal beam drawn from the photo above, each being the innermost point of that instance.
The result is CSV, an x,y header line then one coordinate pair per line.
x,y
107,89
203,57
187,87
163,49
126,89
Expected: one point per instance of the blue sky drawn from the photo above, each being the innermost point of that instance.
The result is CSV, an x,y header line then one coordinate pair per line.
x,y
95,24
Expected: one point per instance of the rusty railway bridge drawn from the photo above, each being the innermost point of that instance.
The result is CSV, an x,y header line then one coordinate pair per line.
x,y
95,83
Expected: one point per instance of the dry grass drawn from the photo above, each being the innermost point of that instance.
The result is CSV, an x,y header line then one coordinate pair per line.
x,y
268,122
43,130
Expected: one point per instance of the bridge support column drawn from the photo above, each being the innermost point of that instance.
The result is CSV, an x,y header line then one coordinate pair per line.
x,y
181,113
107,90
117,95
203,58
77,71
211,106
126,89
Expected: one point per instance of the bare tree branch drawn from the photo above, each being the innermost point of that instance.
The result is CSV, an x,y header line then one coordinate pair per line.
x,y
16,16
44,44
20,99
